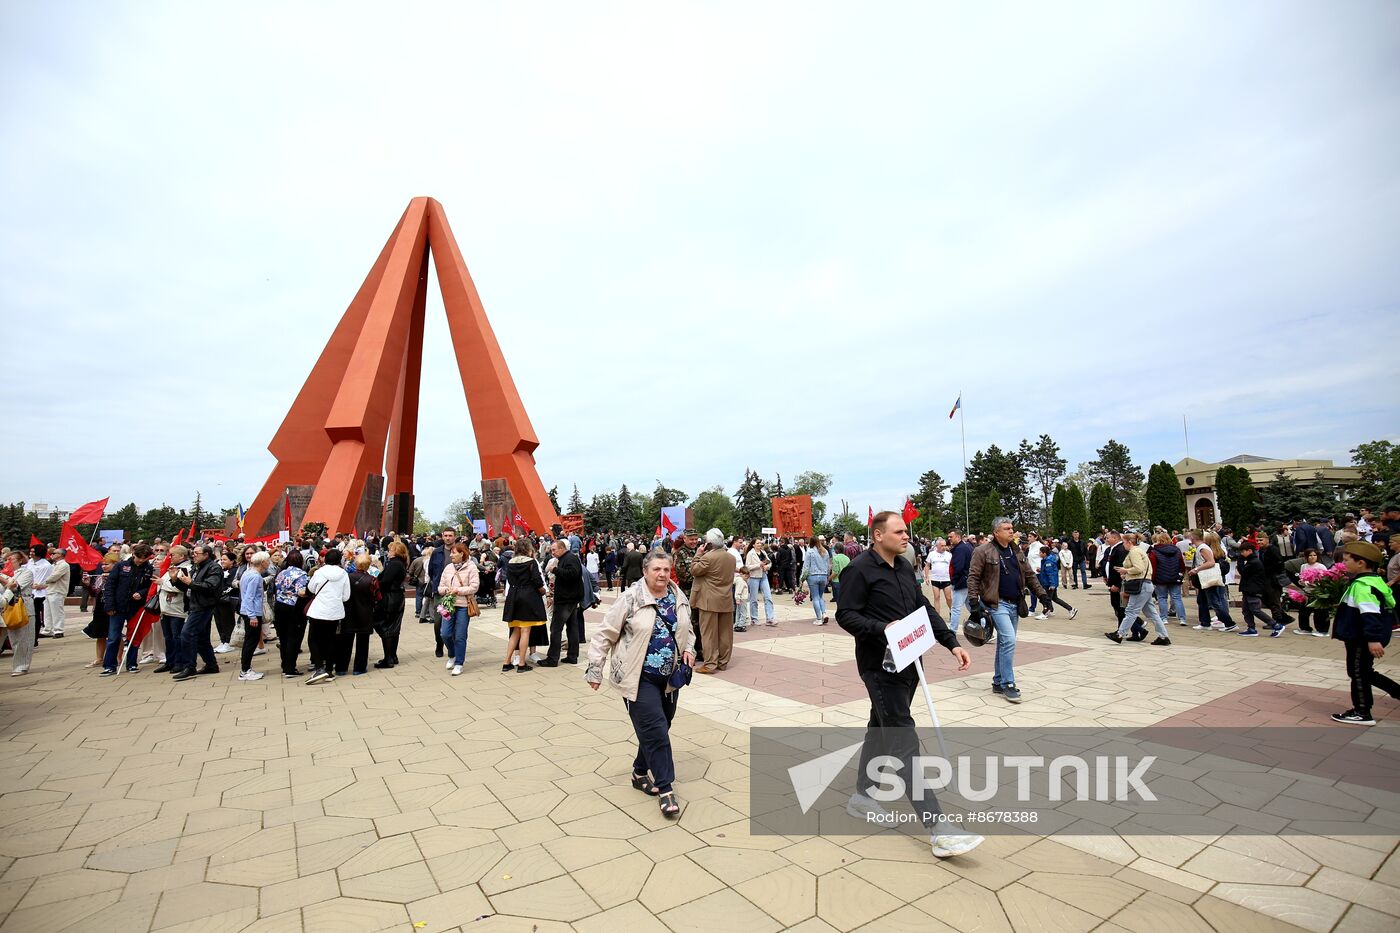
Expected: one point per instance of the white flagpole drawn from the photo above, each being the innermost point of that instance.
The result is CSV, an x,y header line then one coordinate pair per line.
x,y
967,509
933,714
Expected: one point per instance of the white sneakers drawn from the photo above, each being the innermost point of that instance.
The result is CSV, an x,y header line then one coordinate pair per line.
x,y
259,651
456,669
251,675
223,648
451,665
1040,615
862,807
947,846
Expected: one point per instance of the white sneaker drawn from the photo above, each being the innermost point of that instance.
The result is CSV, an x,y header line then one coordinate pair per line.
x,y
223,648
449,665
1317,634
1040,615
251,675
863,808
456,669
259,651
1072,614
148,656
947,846
816,621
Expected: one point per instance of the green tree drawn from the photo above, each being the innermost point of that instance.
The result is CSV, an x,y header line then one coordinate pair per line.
x,y
1379,462
775,489
1003,475
554,498
1114,467
197,513
1281,500
814,484
1104,510
421,525
626,511
1234,490
959,510
575,502
601,513
1076,512
1044,466
457,511
648,514
988,510
664,497
1319,501
127,519
752,510
929,501
1166,506
713,509
1057,510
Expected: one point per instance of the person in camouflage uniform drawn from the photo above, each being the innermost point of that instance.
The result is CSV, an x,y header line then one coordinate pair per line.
x,y
682,555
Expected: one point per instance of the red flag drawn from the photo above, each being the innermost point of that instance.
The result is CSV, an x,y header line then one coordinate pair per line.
x,y
666,523
141,623
92,512
79,551
179,538
869,516
190,536
33,540
264,539
910,513
490,529
287,513
520,522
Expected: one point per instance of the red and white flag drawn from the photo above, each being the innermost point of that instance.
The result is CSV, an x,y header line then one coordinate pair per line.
x,y
79,551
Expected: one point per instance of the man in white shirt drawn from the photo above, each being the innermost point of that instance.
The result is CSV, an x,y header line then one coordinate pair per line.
x,y
741,587
41,569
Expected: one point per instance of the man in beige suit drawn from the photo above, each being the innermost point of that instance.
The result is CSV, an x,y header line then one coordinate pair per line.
x,y
712,596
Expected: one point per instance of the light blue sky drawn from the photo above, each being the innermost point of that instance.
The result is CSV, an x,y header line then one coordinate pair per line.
x,y
709,236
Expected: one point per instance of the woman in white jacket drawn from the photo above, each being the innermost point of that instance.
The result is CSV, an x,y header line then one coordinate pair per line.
x,y
331,584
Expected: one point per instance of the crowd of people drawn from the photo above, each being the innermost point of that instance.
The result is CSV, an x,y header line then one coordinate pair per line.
x,y
681,600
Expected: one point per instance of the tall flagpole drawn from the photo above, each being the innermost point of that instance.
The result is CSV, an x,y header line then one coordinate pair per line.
x,y
962,428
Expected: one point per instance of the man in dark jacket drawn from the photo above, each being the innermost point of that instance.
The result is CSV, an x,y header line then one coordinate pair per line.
x,y
1275,579
566,600
782,565
877,590
996,577
203,588
127,589
631,565
1077,551
1304,536
1254,584
957,571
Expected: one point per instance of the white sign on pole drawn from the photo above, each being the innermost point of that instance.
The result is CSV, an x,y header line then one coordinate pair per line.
x,y
910,637
284,536
767,531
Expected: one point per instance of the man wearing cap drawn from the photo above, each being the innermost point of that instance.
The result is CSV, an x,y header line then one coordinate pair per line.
x,y
1364,619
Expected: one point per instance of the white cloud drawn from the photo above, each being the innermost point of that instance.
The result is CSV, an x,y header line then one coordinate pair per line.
x,y
781,236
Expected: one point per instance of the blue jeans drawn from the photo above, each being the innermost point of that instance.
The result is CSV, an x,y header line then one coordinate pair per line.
x,y
454,633
1141,605
959,607
172,627
1172,591
755,587
835,590
418,593
1217,598
115,624
1004,617
651,714
1079,565
815,586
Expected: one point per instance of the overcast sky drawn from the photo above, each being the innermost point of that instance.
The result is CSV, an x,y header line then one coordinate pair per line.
x,y
708,237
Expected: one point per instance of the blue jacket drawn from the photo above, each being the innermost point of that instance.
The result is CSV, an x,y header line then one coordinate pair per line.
x,y
959,565
126,580
1304,536
1049,573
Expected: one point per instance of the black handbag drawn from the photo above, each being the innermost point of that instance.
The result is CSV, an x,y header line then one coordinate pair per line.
x,y
1132,587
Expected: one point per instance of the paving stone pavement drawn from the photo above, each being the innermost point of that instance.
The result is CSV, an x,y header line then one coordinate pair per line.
x,y
413,800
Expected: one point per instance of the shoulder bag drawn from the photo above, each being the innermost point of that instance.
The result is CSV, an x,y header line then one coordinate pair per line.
x,y
16,616
1210,577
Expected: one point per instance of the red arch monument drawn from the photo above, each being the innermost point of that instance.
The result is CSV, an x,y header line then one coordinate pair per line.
x,y
361,400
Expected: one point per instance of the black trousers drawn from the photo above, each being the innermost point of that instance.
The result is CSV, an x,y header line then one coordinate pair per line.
x,y
1361,668
651,714
890,731
1052,594
250,640
291,627
224,622
561,624
321,640
1308,617
345,642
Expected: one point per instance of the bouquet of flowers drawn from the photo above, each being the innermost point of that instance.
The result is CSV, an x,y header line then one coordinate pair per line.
x,y
1320,587
447,605
800,594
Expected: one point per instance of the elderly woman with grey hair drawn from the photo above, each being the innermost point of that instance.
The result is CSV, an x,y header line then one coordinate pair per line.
x,y
643,637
